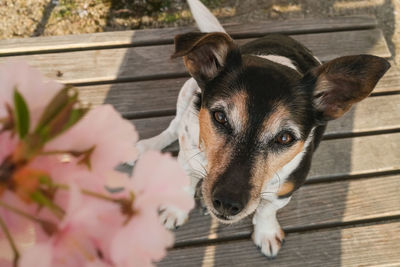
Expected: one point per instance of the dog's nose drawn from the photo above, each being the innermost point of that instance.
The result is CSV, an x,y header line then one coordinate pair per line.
x,y
227,206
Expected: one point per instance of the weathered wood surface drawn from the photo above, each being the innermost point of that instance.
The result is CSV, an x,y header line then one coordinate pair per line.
x,y
365,117
348,184
312,205
356,156
132,99
165,36
150,62
369,245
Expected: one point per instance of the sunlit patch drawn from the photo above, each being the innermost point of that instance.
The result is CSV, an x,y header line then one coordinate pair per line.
x,y
286,8
357,4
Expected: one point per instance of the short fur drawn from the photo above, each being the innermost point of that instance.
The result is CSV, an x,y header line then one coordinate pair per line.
x,y
250,122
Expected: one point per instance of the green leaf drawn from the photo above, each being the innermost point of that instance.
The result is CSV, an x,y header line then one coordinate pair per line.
x,y
45,180
41,199
58,102
60,115
76,115
21,114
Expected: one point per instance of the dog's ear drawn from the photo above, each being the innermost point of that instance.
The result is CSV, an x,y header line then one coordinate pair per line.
x,y
205,54
340,83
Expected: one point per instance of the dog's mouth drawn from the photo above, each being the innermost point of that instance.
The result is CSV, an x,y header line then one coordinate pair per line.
x,y
222,218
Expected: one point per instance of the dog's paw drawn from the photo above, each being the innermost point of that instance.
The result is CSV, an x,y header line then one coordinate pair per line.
x,y
172,217
269,239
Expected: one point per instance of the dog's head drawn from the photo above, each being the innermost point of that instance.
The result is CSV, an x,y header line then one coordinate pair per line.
x,y
256,115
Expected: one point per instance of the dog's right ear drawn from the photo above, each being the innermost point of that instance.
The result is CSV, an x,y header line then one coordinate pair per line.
x,y
205,54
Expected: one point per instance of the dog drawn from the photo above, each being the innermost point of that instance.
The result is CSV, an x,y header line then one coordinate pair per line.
x,y
250,119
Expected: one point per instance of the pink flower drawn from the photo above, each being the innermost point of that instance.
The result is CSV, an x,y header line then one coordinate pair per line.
x,y
83,225
7,145
30,84
157,180
83,237
112,137
141,242
23,230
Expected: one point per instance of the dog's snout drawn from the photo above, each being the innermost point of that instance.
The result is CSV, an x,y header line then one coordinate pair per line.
x,y
227,206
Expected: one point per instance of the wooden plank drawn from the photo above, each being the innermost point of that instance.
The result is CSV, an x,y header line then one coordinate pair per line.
x,y
379,113
151,126
312,205
165,36
136,99
370,245
151,62
334,158
132,99
356,156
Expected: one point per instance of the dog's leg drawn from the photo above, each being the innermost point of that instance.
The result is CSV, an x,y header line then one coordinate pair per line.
x,y
268,234
162,140
170,134
173,217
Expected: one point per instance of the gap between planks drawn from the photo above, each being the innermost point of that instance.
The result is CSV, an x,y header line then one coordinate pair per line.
x,y
124,39
371,245
132,100
143,63
313,207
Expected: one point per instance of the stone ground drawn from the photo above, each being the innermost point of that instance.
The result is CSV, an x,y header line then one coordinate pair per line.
x,y
26,18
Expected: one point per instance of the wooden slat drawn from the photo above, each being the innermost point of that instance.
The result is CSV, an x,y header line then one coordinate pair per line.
x,y
373,114
151,126
312,205
136,99
372,245
154,61
163,36
356,156
149,98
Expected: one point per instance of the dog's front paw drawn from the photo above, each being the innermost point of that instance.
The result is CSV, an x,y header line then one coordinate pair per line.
x,y
269,239
172,217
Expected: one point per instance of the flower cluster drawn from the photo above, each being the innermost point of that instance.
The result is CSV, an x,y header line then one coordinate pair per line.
x,y
62,203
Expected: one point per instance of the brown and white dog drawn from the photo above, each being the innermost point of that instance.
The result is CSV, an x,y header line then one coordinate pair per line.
x,y
251,117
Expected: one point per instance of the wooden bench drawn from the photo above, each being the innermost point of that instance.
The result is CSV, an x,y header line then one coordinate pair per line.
x,y
348,213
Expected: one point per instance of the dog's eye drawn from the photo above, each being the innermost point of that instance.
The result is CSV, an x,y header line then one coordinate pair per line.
x,y
220,117
284,138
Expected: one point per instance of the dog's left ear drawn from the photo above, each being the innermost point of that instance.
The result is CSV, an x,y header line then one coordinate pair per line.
x,y
340,83
205,54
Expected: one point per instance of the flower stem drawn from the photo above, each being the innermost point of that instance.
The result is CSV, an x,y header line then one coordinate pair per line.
x,y
89,193
98,195
47,226
11,241
43,200
19,212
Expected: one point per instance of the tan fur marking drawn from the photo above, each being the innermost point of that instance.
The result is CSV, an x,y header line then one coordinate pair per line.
x,y
271,125
239,112
285,189
265,169
218,155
